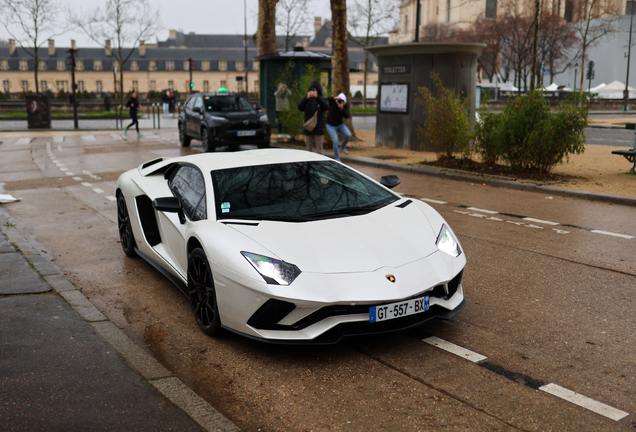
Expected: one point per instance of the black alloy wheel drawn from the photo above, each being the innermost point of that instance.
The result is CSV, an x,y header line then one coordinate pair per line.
x,y
184,140
125,229
202,293
205,140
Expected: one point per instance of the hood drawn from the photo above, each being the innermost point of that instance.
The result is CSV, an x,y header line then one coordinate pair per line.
x,y
388,237
237,115
317,86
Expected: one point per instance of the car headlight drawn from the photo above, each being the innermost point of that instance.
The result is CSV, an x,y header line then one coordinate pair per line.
x,y
275,272
264,119
447,242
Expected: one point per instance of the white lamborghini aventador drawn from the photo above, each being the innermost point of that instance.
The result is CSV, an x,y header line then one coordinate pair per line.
x,y
290,246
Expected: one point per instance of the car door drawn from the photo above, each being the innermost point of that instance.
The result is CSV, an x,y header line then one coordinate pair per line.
x,y
186,183
188,109
198,113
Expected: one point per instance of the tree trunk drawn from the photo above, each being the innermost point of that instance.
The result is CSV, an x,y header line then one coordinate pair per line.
x,y
340,54
535,38
266,34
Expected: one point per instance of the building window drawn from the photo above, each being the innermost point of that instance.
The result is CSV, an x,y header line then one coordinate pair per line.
x,y
153,85
98,86
222,65
135,85
169,64
206,86
4,64
23,65
240,66
152,65
328,42
25,86
406,23
170,84
97,65
491,8
256,65
79,65
61,65
360,65
239,86
80,86
360,83
223,84
629,7
41,65
186,65
43,86
375,67
61,85
5,86
255,88
205,65
134,65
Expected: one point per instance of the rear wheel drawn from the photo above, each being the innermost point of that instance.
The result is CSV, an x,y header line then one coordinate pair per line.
x,y
202,293
205,139
125,229
184,140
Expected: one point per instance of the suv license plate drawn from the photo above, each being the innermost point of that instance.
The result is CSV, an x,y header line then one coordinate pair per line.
x,y
399,309
246,133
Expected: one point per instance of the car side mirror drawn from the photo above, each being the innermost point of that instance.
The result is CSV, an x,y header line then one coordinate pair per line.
x,y
258,107
169,205
390,181
197,109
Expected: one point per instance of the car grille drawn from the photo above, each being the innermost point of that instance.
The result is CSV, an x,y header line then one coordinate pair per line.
x,y
241,126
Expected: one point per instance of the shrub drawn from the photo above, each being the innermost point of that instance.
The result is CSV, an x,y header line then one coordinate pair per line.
x,y
446,127
358,95
487,137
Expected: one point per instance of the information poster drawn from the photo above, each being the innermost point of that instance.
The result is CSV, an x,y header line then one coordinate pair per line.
x,y
394,98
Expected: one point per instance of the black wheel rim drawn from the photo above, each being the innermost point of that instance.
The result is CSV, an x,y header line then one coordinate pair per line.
x,y
205,137
123,222
181,135
201,291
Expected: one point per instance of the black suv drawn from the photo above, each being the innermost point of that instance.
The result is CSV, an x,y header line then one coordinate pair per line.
x,y
219,119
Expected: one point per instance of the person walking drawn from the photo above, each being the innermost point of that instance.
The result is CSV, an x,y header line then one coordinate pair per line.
x,y
338,111
172,101
165,100
133,104
314,128
282,105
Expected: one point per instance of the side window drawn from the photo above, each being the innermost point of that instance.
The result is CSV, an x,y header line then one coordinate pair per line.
x,y
198,102
190,102
188,185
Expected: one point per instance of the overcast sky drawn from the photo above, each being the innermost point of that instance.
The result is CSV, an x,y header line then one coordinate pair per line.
x,y
198,16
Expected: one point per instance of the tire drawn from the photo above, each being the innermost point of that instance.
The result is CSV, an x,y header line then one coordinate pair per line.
x,y
202,293
184,140
205,140
126,236
263,145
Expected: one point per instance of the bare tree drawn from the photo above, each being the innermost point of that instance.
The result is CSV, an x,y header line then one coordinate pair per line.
x,y
31,23
266,34
369,20
125,23
556,39
291,17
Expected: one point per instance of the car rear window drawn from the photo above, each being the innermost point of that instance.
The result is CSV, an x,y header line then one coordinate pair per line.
x,y
298,192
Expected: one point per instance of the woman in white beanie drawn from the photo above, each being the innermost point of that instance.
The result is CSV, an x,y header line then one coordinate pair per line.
x,y
338,111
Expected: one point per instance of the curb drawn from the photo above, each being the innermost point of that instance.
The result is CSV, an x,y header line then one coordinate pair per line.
x,y
471,177
158,377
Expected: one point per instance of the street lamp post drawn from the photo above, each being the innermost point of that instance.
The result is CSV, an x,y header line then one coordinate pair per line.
x,y
629,53
247,93
576,65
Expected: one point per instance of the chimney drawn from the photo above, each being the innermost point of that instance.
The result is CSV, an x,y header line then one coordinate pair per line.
x,y
317,24
142,48
173,34
11,46
107,46
73,44
51,47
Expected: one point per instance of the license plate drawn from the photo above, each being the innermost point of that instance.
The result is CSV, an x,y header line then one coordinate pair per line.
x,y
399,309
245,133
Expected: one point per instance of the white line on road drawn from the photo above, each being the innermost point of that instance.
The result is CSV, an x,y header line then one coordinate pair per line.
x,y
62,168
433,201
23,141
77,178
612,234
58,138
86,184
481,210
529,219
584,401
455,349
70,174
88,138
110,198
98,190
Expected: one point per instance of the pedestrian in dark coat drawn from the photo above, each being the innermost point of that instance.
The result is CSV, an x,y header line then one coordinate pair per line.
x,y
133,105
310,104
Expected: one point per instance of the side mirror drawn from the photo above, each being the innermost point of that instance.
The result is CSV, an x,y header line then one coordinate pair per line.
x,y
258,107
197,109
390,181
169,205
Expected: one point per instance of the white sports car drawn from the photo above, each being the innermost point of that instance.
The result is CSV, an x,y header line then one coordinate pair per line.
x,y
290,246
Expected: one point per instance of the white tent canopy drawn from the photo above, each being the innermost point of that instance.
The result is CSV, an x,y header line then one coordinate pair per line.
x,y
552,87
598,87
614,90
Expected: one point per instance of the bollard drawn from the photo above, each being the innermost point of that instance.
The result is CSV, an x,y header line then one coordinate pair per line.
x,y
153,116
158,118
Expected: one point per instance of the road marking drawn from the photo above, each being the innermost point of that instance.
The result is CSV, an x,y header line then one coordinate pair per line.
x,y
58,138
86,184
23,141
433,201
98,190
77,179
69,173
529,219
611,234
62,168
59,148
481,210
110,198
584,402
88,138
455,349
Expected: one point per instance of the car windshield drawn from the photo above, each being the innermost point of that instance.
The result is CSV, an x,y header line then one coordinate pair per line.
x,y
229,103
296,192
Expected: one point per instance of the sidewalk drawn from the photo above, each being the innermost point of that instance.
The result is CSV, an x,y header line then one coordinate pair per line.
x,y
65,367
92,125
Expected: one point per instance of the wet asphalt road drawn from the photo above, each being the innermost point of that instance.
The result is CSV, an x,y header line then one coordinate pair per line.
x,y
549,286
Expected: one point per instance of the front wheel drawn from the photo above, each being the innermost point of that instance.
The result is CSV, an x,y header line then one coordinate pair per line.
x,y
184,139
125,229
205,140
202,293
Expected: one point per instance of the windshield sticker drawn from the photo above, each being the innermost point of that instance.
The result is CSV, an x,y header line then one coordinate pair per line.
x,y
225,205
225,210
